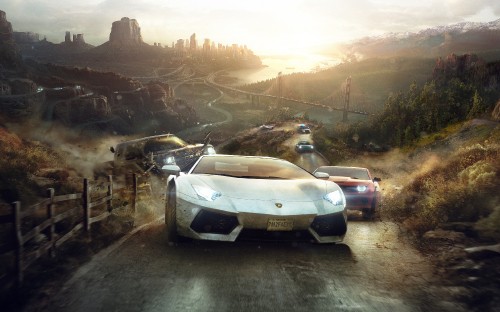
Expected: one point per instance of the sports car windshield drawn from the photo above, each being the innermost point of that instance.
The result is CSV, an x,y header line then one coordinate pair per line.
x,y
250,167
356,173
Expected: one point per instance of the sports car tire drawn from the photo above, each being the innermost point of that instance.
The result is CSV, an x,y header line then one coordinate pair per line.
x,y
171,214
367,213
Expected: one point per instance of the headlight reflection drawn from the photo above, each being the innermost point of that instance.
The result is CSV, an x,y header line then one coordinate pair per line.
x,y
335,197
206,193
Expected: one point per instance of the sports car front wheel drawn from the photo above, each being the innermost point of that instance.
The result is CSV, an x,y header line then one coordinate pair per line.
x,y
171,214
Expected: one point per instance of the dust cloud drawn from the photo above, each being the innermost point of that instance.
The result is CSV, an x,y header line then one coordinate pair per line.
x,y
81,152
86,154
397,168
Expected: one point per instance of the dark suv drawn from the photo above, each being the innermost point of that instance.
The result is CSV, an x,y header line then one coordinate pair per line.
x,y
150,154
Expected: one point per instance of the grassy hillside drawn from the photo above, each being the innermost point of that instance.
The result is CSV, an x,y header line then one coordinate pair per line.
x,y
452,177
28,168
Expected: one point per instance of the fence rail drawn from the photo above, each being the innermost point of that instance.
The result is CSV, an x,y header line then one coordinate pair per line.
x,y
15,214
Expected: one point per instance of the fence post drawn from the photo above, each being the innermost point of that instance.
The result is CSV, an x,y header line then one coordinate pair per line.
x,y
110,193
50,216
86,209
134,192
19,242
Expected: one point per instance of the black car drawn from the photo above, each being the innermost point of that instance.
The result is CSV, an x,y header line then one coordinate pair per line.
x,y
150,154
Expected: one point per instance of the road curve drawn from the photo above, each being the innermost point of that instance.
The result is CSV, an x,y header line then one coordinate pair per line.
x,y
308,161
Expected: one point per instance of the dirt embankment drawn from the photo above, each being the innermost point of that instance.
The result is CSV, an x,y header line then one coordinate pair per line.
x,y
438,193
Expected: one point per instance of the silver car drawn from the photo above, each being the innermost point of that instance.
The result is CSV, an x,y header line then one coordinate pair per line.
x,y
227,197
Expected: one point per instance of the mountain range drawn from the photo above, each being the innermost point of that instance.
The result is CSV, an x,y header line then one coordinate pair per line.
x,y
465,37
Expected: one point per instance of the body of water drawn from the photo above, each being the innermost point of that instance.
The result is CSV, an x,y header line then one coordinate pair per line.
x,y
284,64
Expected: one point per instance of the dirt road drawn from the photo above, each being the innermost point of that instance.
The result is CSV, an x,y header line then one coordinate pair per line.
x,y
308,161
373,270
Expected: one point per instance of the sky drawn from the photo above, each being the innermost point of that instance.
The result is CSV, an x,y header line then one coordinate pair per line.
x,y
265,26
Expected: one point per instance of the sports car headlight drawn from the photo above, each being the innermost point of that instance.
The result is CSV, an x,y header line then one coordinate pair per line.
x,y
361,188
334,197
206,193
170,160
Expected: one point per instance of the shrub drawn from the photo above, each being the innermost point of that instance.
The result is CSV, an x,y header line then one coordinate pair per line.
x,y
18,164
463,188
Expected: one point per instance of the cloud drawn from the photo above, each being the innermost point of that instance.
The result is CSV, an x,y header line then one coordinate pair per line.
x,y
464,8
227,21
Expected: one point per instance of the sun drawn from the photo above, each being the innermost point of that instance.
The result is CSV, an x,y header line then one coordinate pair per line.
x,y
292,34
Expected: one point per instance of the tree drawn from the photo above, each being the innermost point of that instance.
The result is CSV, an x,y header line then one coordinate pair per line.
x,y
478,106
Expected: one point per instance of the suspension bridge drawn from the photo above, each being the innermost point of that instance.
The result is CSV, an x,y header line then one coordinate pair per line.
x,y
344,97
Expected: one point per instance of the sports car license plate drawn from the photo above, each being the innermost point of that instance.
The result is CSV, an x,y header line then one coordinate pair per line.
x,y
279,224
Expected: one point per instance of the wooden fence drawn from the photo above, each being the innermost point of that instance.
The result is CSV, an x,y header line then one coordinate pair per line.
x,y
84,211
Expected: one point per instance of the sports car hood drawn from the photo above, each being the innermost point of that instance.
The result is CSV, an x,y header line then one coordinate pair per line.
x,y
265,189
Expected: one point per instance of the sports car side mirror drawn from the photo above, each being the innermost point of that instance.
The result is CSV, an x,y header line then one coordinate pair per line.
x,y
377,179
171,169
322,175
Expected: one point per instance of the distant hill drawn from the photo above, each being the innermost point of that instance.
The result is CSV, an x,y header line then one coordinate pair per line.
x,y
432,42
372,80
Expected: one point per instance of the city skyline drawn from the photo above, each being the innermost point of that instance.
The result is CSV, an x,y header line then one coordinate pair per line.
x,y
266,27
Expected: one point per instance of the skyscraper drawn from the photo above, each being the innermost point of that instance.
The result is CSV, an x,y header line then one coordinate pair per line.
x,y
192,42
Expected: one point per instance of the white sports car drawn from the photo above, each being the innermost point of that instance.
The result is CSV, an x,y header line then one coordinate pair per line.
x,y
226,197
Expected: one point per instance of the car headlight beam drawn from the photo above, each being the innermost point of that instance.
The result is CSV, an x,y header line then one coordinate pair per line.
x,y
206,193
334,197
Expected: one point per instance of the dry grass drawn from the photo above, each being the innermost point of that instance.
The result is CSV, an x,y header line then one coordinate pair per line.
x,y
459,188
20,161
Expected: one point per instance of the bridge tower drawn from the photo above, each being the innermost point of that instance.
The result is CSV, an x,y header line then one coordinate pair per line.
x,y
347,95
280,89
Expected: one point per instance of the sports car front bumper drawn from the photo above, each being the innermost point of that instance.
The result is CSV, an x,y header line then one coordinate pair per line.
x,y
226,224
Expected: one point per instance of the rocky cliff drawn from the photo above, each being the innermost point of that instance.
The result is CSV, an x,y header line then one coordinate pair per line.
x,y
126,32
125,44
9,54
5,27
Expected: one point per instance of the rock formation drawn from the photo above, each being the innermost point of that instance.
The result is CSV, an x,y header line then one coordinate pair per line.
x,y
77,39
126,32
9,54
5,27
125,44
